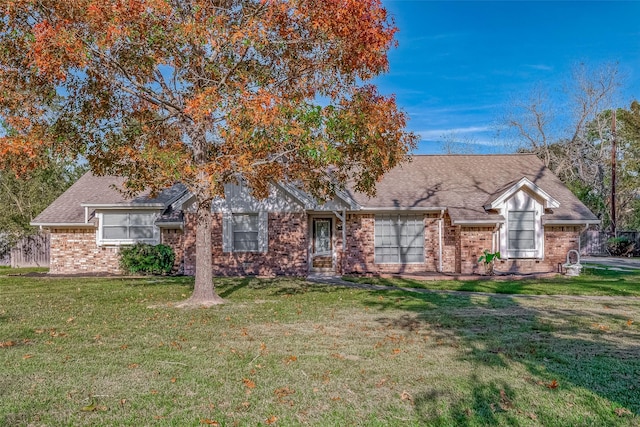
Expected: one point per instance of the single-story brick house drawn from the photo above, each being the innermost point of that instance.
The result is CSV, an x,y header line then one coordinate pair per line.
x,y
433,214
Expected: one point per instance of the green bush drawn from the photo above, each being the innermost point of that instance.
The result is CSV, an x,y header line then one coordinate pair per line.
x,y
147,259
619,246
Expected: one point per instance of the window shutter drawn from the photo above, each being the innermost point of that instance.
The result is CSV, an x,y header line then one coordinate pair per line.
x,y
263,231
227,232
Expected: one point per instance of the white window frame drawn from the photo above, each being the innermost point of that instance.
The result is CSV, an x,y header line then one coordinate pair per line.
x,y
228,231
103,241
398,220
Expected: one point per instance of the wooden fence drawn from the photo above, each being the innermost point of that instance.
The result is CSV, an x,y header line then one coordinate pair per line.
x,y
32,251
594,242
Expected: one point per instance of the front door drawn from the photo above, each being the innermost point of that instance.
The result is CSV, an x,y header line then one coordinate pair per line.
x,y
322,243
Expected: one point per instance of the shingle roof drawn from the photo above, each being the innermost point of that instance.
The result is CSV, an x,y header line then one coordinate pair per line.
x,y
463,183
98,190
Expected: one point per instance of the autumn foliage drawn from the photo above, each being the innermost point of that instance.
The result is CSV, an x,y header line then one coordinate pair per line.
x,y
202,92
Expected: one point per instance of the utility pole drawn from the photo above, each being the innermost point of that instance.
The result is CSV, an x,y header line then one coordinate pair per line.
x,y
613,174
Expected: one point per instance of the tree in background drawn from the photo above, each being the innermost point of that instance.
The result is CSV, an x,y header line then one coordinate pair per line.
x,y
205,92
580,152
23,197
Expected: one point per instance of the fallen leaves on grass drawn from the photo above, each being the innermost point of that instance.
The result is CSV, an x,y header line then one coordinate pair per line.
x,y
209,422
621,412
271,420
27,356
405,395
290,359
505,402
93,407
553,384
282,393
4,344
629,322
248,383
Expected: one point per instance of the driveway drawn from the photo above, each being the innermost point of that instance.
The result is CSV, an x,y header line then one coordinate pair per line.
x,y
616,262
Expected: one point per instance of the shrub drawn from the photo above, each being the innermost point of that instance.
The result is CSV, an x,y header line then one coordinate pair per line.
x,y
489,260
147,259
618,246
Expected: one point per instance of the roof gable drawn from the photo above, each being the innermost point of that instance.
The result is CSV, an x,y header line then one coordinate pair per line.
x,y
524,183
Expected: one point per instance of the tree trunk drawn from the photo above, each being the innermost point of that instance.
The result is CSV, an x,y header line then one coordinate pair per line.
x,y
204,294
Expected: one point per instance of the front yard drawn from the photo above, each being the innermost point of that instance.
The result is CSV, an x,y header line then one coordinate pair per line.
x,y
111,351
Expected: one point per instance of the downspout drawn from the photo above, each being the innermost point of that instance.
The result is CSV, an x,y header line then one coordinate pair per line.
x,y
494,241
86,214
440,226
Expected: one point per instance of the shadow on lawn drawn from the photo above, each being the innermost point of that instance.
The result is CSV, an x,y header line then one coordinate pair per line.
x,y
278,286
564,344
602,283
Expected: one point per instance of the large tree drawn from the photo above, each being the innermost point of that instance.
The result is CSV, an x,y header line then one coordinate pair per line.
x,y
204,92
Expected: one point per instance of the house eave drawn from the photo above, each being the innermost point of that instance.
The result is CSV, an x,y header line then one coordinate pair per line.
x,y
178,225
401,208
571,222
145,206
477,222
62,224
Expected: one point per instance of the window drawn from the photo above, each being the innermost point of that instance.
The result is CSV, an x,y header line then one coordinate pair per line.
x,y
522,231
399,239
128,227
245,232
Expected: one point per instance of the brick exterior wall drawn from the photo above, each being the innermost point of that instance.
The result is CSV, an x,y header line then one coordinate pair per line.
x,y
74,251
461,248
473,241
175,238
558,240
287,253
360,257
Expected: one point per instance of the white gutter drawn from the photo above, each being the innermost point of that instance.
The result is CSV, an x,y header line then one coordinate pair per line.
x,y
571,222
400,208
62,224
124,205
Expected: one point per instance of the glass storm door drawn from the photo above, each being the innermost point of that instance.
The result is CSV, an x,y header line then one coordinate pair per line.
x,y
322,237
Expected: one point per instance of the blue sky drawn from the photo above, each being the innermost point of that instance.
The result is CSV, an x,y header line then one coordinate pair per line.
x,y
459,64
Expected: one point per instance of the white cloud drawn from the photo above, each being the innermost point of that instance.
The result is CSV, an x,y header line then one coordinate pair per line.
x,y
540,67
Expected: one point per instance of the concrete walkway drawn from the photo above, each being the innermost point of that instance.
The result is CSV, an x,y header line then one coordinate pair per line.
x,y
615,262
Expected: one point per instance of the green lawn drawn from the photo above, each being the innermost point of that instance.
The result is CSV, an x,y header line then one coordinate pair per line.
x,y
590,282
112,351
